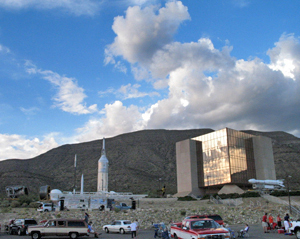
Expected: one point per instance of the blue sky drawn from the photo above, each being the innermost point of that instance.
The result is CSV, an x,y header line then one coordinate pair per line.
x,y
80,70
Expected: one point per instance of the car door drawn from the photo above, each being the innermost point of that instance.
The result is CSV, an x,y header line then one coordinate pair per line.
x,y
49,229
61,228
115,226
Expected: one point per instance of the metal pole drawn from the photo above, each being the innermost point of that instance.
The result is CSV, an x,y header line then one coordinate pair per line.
x,y
288,184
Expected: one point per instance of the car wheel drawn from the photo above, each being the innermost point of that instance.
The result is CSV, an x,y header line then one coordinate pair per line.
x,y
19,232
35,235
122,231
46,210
175,236
73,235
106,230
297,233
10,231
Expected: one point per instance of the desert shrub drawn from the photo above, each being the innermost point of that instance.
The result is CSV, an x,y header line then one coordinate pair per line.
x,y
5,210
186,198
182,213
33,205
117,209
250,194
5,203
15,204
27,199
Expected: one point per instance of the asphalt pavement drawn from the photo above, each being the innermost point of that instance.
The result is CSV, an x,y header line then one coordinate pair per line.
x,y
255,231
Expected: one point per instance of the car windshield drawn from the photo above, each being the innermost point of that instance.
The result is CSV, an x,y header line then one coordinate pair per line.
x,y
201,224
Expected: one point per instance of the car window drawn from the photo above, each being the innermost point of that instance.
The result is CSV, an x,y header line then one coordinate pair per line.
x,y
30,222
52,223
127,222
207,224
216,225
216,218
76,224
61,223
118,223
197,224
18,221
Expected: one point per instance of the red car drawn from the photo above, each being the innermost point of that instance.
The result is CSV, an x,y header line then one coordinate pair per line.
x,y
199,228
217,218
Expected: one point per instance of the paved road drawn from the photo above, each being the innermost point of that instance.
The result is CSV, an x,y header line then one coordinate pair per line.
x,y
255,231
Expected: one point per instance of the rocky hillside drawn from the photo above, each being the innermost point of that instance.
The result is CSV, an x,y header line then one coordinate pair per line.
x,y
136,162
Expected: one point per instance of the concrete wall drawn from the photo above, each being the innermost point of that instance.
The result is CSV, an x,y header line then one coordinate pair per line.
x,y
264,160
186,163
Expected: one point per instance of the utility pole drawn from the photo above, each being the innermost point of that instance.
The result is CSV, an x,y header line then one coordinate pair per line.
x,y
288,188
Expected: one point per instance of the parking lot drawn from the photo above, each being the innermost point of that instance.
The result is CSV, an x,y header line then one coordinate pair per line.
x,y
255,231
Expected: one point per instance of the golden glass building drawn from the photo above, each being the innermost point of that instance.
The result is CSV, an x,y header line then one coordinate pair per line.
x,y
223,157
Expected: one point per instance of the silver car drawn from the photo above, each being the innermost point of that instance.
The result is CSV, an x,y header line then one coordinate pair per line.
x,y
121,226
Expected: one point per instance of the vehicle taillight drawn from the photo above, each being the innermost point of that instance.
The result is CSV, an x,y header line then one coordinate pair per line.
x,y
41,207
23,226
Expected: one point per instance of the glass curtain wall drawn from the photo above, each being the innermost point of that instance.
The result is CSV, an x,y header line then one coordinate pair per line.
x,y
224,157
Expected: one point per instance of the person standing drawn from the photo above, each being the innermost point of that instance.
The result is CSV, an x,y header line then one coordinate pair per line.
x,y
264,223
133,228
163,191
279,221
86,217
286,222
271,220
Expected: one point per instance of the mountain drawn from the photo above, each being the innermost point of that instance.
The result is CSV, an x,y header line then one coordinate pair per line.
x,y
136,162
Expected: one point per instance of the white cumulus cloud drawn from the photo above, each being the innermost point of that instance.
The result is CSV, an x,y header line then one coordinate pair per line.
x,y
70,96
20,147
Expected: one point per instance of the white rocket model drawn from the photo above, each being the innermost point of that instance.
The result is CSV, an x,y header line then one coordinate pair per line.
x,y
266,184
82,182
103,171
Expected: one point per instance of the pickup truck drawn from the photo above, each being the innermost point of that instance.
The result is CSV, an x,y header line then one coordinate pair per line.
x,y
295,228
200,228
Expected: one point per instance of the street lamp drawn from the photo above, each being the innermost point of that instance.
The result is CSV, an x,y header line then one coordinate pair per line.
x,y
288,188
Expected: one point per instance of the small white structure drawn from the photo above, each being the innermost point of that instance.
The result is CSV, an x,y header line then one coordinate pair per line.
x,y
102,185
102,199
82,183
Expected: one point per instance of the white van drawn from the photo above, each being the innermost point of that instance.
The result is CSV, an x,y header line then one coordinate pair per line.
x,y
45,207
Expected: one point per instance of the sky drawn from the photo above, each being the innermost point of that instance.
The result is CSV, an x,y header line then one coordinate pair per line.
x,y
74,71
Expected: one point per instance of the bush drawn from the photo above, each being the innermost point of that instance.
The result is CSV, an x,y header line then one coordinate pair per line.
x,y
186,198
117,209
183,213
15,204
5,209
33,205
26,199
250,194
